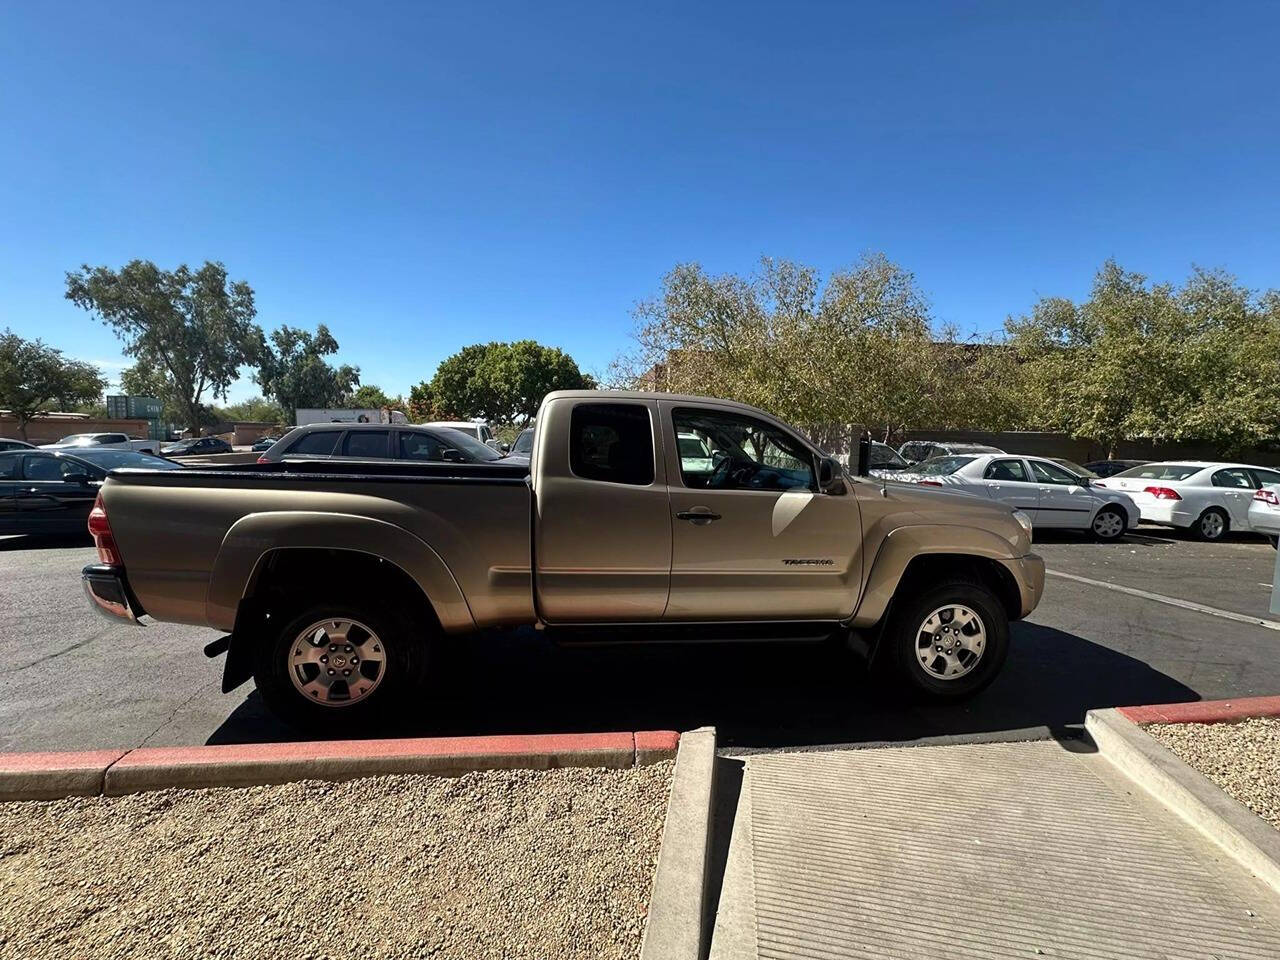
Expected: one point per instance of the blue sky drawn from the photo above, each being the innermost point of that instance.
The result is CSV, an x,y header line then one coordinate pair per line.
x,y
420,176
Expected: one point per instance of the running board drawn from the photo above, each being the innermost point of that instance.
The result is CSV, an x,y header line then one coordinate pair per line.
x,y
789,631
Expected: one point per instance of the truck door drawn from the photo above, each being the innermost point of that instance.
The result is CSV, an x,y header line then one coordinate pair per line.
x,y
602,526
753,539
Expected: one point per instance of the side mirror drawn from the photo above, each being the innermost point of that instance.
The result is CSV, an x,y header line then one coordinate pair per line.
x,y
504,448
830,476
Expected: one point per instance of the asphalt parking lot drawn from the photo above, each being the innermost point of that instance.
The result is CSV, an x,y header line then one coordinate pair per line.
x,y
74,680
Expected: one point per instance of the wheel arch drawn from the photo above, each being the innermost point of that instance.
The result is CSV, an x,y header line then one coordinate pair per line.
x,y
913,555
245,557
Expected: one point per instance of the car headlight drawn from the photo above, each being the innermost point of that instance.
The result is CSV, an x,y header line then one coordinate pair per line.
x,y
1024,521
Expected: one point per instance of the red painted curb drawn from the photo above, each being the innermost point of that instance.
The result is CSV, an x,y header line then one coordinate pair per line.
x,y
26,776
1204,711
50,776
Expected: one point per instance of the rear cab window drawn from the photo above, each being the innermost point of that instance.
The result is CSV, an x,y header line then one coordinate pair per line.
x,y
612,443
941,466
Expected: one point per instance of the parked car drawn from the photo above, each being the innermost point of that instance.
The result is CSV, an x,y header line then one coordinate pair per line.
x,y
1264,513
1053,495
376,441
51,491
7,444
917,451
1207,499
335,589
523,447
102,441
885,461
1109,468
197,446
264,443
477,429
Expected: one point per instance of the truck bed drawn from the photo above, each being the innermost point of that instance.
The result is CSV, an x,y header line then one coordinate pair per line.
x,y
179,530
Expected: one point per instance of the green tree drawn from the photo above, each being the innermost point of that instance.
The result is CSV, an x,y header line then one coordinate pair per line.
x,y
503,383
372,396
1154,361
194,329
34,375
857,349
257,409
293,371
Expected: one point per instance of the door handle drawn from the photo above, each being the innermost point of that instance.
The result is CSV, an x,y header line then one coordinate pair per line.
x,y
697,516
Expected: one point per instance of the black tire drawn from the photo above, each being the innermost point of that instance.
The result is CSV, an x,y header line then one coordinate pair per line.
x,y
406,649
1274,541
1102,537
1199,531
903,631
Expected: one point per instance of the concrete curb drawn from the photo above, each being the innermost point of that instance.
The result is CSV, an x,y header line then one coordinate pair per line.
x,y
50,776
677,927
1205,711
1247,839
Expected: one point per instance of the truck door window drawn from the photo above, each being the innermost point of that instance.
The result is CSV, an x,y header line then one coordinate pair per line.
x,y
367,444
742,453
611,442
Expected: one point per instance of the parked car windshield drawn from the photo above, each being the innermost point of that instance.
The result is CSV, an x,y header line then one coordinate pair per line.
x,y
78,438
111,459
524,443
883,455
1161,471
941,466
468,444
1075,468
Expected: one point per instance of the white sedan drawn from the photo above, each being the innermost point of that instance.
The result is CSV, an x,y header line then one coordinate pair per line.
x,y
1053,495
1208,499
1264,513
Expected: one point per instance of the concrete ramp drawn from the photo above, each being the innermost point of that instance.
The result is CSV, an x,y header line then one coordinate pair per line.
x,y
975,851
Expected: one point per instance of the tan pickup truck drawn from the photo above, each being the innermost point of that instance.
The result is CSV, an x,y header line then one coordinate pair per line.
x,y
644,516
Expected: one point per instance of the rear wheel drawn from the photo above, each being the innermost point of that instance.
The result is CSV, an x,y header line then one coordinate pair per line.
x,y
949,641
1211,525
340,665
1108,524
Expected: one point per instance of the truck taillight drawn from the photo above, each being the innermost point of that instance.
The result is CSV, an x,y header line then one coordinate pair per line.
x,y
1266,496
100,530
1162,493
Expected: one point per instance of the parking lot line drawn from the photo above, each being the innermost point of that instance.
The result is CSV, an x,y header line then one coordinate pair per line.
x,y
1172,601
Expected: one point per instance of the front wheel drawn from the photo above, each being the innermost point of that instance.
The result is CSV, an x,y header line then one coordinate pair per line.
x,y
339,666
949,641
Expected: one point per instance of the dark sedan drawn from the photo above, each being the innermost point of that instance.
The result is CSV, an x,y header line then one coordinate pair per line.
x,y
8,444
51,492
197,446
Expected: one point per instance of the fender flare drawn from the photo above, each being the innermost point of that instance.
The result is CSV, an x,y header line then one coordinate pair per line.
x,y
253,536
903,544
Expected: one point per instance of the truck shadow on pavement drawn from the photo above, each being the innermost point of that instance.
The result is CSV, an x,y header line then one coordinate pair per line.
x,y
756,695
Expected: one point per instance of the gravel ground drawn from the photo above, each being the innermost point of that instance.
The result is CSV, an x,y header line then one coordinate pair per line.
x,y
501,864
1242,758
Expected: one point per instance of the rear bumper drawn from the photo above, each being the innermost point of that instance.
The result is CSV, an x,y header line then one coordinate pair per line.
x,y
1171,513
108,591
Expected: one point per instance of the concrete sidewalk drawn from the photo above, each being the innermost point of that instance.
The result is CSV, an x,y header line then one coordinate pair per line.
x,y
988,850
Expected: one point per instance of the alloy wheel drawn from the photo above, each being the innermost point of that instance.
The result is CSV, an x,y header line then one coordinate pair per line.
x,y
1108,524
950,642
1212,526
337,662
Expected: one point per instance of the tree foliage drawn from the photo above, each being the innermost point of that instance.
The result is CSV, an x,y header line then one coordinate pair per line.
x,y
503,383
292,371
1154,361
194,329
34,375
371,396
257,409
859,349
